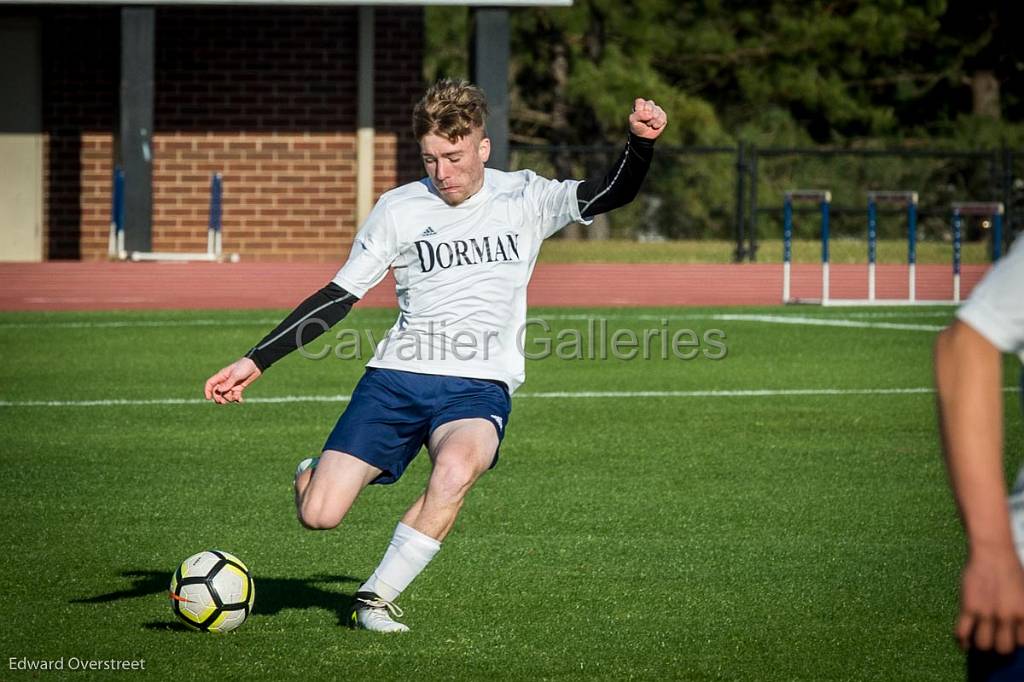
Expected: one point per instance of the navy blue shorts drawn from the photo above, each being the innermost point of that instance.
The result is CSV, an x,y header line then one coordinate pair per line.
x,y
392,414
989,666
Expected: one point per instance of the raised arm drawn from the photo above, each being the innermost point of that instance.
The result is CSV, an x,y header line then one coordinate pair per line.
x,y
621,183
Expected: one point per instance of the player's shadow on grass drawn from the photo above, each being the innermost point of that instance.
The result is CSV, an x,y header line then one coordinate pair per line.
x,y
273,595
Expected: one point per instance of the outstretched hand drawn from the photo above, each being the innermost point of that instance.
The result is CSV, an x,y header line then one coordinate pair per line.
x,y
648,120
226,386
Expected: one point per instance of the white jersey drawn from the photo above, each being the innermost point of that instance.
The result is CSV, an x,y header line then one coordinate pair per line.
x,y
996,306
460,271
996,311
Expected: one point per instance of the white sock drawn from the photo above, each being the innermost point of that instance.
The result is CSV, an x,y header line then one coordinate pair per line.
x,y
407,555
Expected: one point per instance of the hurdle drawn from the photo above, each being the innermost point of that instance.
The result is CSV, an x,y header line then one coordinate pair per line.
x,y
213,235
900,198
824,199
993,210
908,199
115,243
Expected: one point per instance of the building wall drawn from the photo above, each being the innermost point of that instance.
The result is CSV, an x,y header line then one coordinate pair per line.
x,y
265,96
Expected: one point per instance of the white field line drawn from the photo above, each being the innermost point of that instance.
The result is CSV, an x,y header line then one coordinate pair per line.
x,y
710,316
901,315
828,322
562,395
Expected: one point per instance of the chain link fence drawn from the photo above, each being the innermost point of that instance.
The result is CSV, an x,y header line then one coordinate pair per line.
x,y
736,193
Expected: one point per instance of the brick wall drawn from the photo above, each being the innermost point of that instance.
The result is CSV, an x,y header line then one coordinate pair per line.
x,y
267,97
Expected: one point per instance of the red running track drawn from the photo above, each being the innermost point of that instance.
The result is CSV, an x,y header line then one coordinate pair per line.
x,y
149,286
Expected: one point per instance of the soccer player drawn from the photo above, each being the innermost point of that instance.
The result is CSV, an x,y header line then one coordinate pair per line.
x,y
968,374
461,244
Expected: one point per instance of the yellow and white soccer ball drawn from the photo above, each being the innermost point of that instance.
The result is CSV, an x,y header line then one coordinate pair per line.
x,y
212,591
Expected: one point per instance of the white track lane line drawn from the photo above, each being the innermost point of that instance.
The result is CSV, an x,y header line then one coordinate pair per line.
x,y
562,395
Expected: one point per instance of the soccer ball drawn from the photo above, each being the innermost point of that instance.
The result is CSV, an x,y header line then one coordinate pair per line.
x,y
212,591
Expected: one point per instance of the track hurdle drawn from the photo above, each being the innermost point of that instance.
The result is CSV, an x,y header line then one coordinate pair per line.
x,y
824,199
115,243
899,198
213,234
993,210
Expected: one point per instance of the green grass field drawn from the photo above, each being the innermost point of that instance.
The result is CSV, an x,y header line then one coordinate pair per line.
x,y
771,535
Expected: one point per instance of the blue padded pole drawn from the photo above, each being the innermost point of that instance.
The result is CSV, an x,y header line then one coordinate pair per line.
x,y
825,276
956,242
215,202
997,236
787,230
956,254
824,231
872,230
787,245
912,248
117,209
872,244
213,237
912,233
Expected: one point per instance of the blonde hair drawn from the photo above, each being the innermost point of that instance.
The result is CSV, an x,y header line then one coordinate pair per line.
x,y
451,109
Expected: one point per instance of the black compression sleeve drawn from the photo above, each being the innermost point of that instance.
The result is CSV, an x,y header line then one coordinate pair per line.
x,y
310,319
622,182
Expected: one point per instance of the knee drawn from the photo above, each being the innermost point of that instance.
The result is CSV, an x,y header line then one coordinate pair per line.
x,y
317,522
315,517
453,479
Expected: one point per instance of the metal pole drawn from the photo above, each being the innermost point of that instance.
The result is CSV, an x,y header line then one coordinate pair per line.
x,y
365,133
956,256
787,245
752,213
912,249
872,246
1008,189
824,251
997,236
135,123
115,247
489,62
121,252
741,169
213,242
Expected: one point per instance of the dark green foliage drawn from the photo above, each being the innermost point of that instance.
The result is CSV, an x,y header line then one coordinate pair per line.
x,y
780,73
868,74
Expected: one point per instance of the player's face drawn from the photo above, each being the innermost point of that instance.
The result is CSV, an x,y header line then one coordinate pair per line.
x,y
456,168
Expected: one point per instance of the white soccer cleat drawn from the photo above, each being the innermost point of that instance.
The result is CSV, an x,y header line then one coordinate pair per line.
x,y
370,612
308,463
